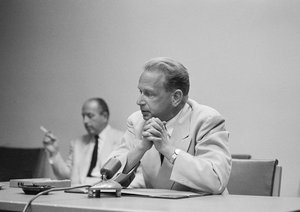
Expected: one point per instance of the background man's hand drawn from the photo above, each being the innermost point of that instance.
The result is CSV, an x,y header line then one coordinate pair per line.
x,y
51,143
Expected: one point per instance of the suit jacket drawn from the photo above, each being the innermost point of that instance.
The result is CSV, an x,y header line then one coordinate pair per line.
x,y
80,154
204,164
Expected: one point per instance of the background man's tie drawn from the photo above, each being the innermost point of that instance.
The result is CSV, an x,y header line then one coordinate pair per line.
x,y
94,157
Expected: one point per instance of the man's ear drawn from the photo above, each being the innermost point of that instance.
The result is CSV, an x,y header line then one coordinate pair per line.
x,y
177,97
105,114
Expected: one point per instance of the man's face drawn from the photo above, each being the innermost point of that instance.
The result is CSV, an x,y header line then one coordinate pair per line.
x,y
94,121
154,100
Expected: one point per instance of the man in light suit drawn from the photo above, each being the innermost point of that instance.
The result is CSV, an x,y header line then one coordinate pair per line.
x,y
179,143
78,167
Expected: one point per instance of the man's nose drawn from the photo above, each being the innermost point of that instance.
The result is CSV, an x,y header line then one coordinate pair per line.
x,y
85,119
140,100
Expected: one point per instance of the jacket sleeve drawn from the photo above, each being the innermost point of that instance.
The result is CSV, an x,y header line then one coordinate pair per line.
x,y
61,168
128,142
208,167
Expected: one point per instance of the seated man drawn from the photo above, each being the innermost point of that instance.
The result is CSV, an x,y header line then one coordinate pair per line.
x,y
180,144
88,152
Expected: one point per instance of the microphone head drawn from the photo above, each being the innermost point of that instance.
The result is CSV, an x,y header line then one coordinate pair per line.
x,y
110,168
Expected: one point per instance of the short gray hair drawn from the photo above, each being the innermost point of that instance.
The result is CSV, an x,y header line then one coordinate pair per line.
x,y
176,74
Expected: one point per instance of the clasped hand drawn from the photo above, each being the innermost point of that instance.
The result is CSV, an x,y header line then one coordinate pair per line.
x,y
155,132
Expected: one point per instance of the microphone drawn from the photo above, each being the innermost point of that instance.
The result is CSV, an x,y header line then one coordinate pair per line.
x,y
110,168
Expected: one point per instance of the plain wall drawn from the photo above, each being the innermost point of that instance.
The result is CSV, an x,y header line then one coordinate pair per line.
x,y
243,58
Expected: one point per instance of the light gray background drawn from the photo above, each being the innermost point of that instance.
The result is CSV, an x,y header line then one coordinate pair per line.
x,y
243,58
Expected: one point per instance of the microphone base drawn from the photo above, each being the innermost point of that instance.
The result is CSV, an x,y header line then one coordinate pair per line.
x,y
105,186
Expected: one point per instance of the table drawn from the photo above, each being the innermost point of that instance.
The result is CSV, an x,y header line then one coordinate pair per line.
x,y
13,199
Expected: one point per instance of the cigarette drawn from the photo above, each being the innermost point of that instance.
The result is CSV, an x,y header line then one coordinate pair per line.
x,y
44,129
48,132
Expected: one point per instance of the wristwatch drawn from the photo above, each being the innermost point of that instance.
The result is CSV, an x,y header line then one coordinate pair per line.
x,y
174,155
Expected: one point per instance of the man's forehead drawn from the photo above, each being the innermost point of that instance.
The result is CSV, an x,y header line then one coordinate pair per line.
x,y
91,106
151,79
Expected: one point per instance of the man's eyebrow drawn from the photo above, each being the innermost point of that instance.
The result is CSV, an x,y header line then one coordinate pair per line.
x,y
148,89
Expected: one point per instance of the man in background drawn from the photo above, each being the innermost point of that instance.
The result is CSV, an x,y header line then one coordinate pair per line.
x,y
180,144
89,152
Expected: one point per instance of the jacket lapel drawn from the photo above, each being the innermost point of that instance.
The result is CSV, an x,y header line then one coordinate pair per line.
x,y
85,151
180,136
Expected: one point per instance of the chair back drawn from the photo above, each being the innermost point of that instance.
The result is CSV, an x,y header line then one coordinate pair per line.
x,y
277,181
241,156
254,177
20,163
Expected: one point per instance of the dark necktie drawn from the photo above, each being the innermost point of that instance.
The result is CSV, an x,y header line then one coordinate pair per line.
x,y
161,158
94,156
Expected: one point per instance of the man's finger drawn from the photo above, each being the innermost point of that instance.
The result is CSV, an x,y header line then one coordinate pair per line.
x,y
153,131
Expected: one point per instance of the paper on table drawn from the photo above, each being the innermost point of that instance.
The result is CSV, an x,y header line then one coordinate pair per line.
x,y
152,193
161,193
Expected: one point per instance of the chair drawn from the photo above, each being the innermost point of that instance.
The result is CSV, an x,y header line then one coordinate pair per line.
x,y
255,177
277,181
241,156
20,163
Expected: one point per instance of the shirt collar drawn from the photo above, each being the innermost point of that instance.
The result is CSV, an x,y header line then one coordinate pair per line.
x,y
171,123
103,133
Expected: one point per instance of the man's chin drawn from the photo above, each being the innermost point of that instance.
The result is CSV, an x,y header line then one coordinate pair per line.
x,y
146,115
91,132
